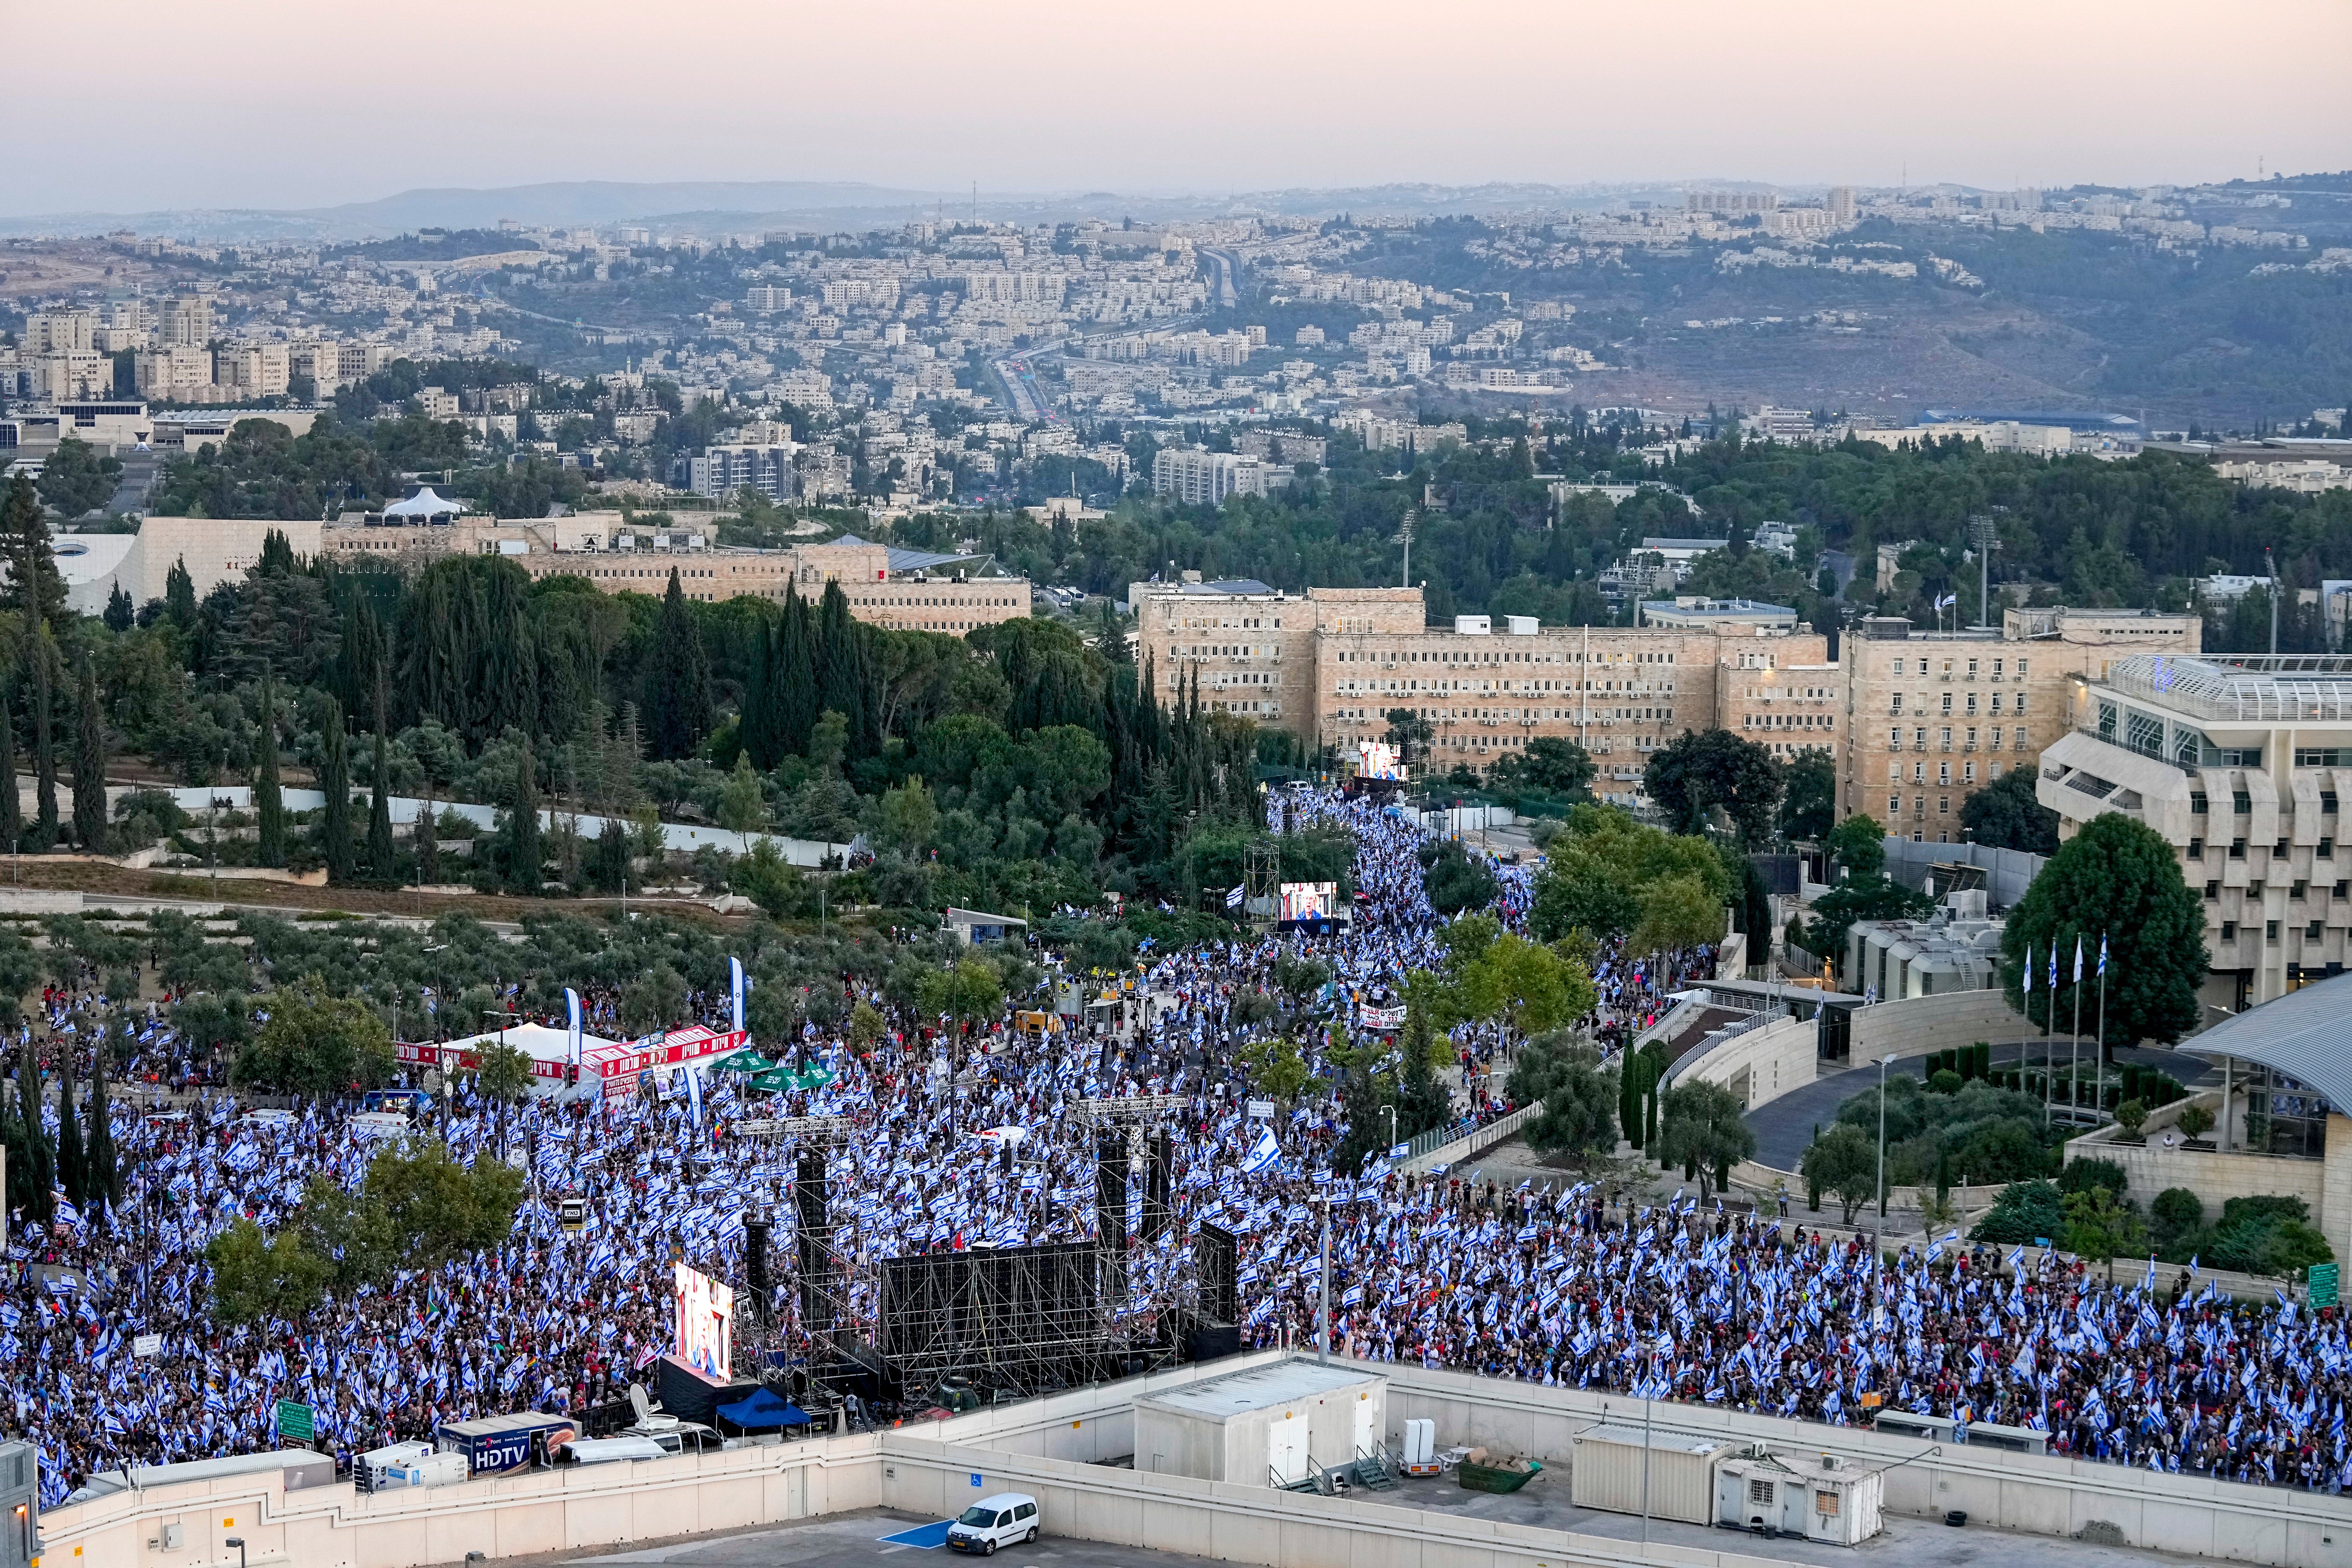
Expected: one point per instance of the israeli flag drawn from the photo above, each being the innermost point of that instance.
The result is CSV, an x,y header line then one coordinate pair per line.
x,y
693,1095
1264,1152
572,1012
1233,899
2078,959
736,986
2103,956
2029,969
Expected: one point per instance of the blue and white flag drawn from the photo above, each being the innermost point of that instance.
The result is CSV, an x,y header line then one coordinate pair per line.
x,y
2029,969
2103,956
1264,1152
2053,966
693,1095
1233,899
572,1025
736,986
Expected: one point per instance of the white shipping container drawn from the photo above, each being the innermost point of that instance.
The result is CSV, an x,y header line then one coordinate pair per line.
x,y
1283,1421
1607,1473
1820,1499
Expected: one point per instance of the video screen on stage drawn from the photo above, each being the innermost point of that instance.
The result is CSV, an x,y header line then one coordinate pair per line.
x,y
1378,759
1310,901
706,1315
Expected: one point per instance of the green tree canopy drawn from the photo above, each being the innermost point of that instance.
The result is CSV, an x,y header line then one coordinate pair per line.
x,y
2115,880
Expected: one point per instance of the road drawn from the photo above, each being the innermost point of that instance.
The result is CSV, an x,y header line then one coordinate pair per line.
x,y
1229,270
1783,1127
854,1541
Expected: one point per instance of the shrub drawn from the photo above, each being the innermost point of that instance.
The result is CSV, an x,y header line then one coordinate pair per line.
x,y
1944,1081
2080,1175
2023,1212
2131,1115
2195,1121
2176,1215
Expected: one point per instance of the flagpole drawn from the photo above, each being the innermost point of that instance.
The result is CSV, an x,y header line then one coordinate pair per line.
x,y
2102,1106
2074,1045
2049,1051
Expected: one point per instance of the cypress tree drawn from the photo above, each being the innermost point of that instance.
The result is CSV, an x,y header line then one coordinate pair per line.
x,y
379,837
797,698
677,681
180,595
424,836
759,720
839,670
69,1155
361,660
523,865
269,798
12,806
41,1177
45,750
335,782
101,1176
509,672
90,767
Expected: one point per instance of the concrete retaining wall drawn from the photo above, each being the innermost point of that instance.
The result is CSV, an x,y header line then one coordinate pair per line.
x,y
1918,1025
1766,1062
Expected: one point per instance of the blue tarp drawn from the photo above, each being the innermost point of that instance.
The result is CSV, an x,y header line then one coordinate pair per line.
x,y
764,1409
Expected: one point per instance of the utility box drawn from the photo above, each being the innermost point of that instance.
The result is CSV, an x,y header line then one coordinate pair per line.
x,y
1276,1426
1607,1473
1823,1500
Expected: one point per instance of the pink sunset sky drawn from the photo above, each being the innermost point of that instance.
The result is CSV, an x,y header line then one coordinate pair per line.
x,y
272,103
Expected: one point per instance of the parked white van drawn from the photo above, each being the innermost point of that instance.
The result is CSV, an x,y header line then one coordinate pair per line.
x,y
1005,1520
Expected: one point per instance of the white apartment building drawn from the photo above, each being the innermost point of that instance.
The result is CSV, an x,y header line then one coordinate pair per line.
x,y
2239,762
255,367
1198,476
59,332
186,322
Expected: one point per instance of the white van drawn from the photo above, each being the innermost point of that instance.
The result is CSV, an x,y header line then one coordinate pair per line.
x,y
1005,1520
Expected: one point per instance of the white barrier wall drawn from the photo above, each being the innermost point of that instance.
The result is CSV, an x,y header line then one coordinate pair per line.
x,y
1233,1523
2040,1496
539,1511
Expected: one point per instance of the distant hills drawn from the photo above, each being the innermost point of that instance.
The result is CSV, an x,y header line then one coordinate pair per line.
x,y
733,206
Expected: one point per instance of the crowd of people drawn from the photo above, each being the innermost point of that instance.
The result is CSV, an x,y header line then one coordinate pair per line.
x,y
975,1139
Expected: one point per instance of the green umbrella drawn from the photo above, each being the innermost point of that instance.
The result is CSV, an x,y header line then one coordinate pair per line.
x,y
745,1060
775,1081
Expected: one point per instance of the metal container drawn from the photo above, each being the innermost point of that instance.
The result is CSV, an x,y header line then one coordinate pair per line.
x,y
1607,1473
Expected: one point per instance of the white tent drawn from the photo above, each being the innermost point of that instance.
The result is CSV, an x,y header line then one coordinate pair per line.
x,y
425,506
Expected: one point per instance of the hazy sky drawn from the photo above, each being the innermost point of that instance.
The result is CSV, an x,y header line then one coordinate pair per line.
x,y
273,103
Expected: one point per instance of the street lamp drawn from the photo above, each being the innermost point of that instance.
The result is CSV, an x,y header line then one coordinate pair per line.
x,y
237,1542
1884,1063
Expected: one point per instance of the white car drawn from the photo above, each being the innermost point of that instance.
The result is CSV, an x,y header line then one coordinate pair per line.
x,y
1007,1518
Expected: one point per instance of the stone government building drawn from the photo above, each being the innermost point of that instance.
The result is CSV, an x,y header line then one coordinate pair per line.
x,y
1915,721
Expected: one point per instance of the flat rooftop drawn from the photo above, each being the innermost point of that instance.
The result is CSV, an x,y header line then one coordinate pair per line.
x,y
1258,1389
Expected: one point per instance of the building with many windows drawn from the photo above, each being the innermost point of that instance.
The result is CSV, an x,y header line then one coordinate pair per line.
x,y
2239,762
1929,717
1329,665
1198,476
